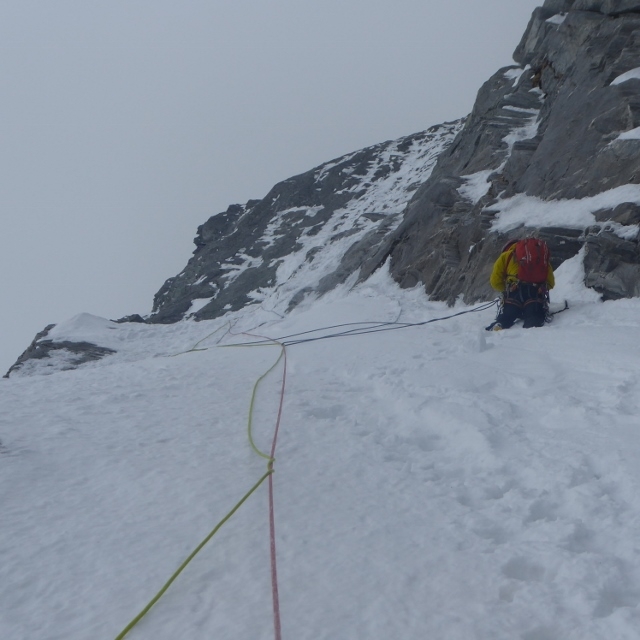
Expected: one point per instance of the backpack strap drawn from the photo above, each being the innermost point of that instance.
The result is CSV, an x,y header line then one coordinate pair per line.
x,y
506,266
511,248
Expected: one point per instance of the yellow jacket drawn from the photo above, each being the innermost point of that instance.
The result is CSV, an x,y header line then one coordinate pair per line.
x,y
505,271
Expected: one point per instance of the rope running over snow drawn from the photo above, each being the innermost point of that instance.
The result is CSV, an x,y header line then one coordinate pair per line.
x,y
271,460
269,473
282,342
183,566
376,327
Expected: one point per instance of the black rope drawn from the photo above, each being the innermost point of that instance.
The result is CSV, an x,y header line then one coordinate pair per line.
x,y
380,323
566,306
357,332
376,328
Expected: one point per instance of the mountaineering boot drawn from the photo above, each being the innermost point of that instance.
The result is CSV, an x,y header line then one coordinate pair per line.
x,y
496,327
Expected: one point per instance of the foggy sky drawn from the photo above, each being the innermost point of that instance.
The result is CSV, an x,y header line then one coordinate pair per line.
x,y
126,124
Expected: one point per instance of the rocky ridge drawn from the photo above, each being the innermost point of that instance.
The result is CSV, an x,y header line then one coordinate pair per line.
x,y
309,234
56,355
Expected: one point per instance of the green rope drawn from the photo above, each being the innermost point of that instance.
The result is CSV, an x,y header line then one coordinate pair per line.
x,y
252,404
195,346
228,325
181,568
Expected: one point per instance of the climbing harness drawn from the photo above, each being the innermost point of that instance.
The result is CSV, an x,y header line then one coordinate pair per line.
x,y
547,306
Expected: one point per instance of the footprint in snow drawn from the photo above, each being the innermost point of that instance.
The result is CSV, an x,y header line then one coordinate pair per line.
x,y
542,509
581,539
541,633
326,412
523,569
619,590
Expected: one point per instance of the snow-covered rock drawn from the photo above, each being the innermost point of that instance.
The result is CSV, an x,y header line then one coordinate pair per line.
x,y
309,234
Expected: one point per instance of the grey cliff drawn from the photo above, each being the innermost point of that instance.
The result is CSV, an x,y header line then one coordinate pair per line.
x,y
551,132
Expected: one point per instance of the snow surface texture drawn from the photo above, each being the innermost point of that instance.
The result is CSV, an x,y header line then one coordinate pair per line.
x,y
576,214
515,73
632,134
432,482
558,19
633,74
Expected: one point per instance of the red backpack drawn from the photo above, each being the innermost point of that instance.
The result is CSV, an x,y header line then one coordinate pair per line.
x,y
532,256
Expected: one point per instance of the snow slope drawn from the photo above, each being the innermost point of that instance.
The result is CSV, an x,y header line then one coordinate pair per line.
x,y
431,482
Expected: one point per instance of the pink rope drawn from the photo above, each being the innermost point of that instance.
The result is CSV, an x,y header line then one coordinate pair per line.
x,y
272,519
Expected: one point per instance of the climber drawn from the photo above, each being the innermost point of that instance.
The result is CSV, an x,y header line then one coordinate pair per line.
x,y
524,275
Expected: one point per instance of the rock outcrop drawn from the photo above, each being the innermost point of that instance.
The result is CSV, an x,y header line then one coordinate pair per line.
x,y
63,354
562,129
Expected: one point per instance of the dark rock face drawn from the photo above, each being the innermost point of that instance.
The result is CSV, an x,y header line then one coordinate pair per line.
x,y
135,317
73,353
612,265
309,234
609,7
548,129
